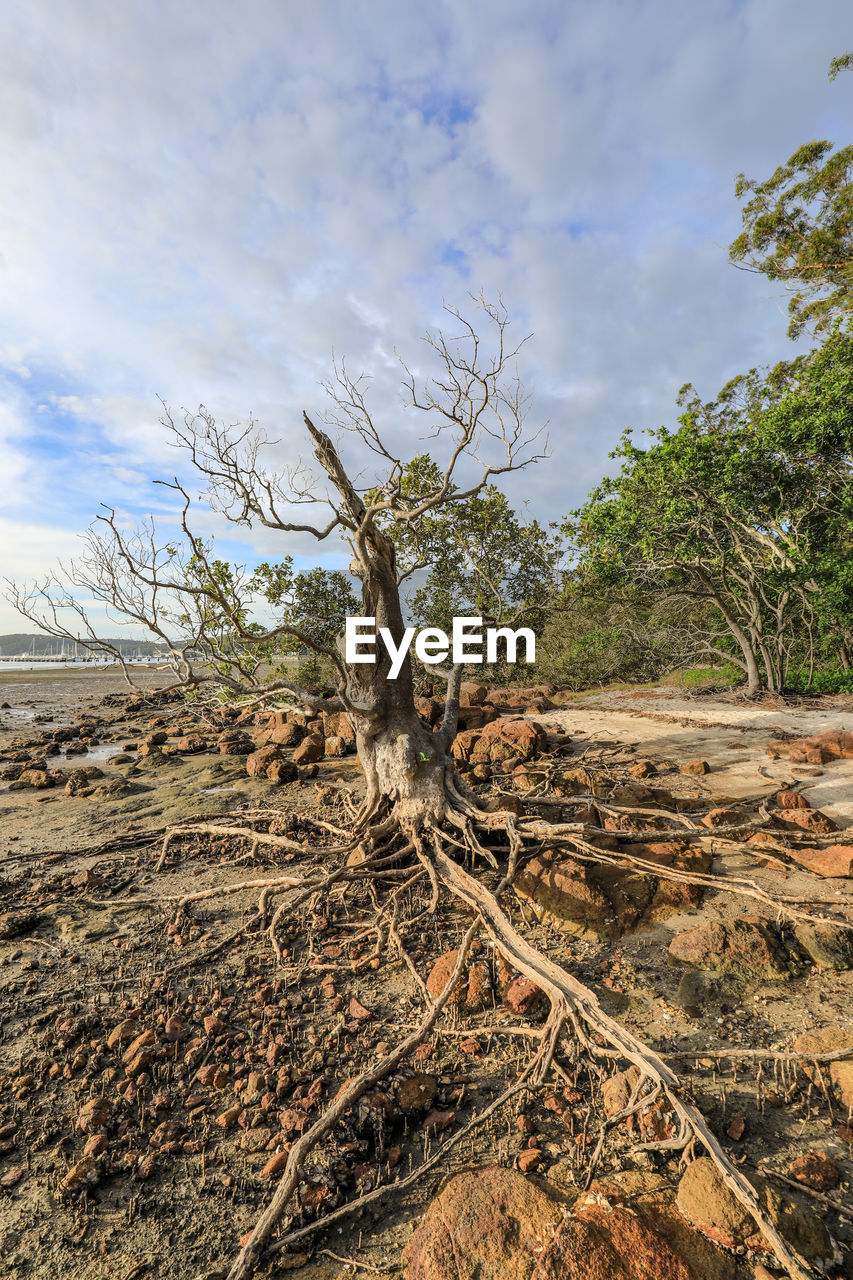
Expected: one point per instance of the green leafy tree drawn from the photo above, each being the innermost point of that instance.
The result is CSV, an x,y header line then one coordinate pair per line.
x,y
798,229
474,555
744,510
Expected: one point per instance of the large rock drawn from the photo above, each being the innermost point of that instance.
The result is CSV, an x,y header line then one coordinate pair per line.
x,y
803,820
486,1224
472,694
828,945
601,901
819,748
336,725
259,761
835,861
747,947
310,750
494,1224
611,1235
708,1204
509,739
830,1039
474,988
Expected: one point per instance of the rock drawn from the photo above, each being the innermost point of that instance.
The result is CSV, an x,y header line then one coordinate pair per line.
x,y
707,1203
816,1170
96,1145
310,750
695,767
81,1175
529,1159
616,1234
747,947
833,862
33,780
190,743
472,694
235,743
123,1032
523,996
12,1177
336,725
616,1091
429,709
78,783
416,1093
803,820
274,1165
510,739
94,1115
602,902
281,772
473,989
828,945
259,761
791,800
725,818
819,748
15,924
737,1128
643,769
485,1224
335,748
174,1029
464,744
145,1040
830,1039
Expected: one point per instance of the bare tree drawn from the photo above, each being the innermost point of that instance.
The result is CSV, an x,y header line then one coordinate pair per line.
x,y
416,807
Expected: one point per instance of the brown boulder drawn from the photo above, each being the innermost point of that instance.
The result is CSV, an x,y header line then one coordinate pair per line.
x,y
335,724
465,744
803,820
835,861
695,767
828,945
474,988
746,947
830,1039
791,800
819,748
611,1235
708,1204
429,709
485,1224
310,750
281,772
472,694
335,748
191,742
259,761
600,901
816,1170
510,739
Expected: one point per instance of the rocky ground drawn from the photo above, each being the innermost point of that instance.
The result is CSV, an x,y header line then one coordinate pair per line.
x,y
156,1065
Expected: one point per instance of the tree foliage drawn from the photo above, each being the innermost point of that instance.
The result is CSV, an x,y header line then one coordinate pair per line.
x,y
798,229
745,509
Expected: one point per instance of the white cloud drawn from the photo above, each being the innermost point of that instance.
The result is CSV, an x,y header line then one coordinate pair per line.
x,y
201,201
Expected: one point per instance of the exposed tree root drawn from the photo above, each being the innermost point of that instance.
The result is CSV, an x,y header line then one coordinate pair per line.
x,y
571,1002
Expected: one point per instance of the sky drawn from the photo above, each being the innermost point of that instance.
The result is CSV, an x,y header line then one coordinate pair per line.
x,y
200,203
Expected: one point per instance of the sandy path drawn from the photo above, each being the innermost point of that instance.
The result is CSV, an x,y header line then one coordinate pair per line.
x,y
732,736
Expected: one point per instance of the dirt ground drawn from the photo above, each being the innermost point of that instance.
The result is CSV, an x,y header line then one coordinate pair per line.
x,y
173,1186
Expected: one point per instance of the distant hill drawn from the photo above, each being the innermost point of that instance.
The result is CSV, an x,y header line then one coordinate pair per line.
x,y
41,646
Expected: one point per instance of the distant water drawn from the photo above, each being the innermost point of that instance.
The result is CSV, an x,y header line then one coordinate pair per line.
x,y
76,664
